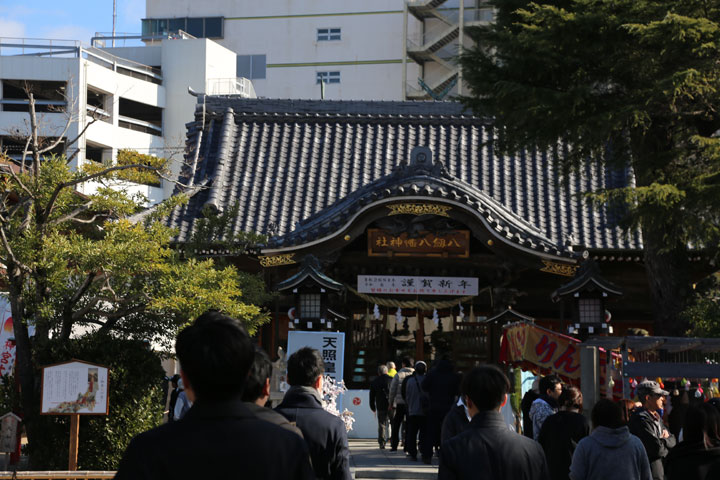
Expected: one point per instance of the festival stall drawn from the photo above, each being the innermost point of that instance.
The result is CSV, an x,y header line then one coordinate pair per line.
x,y
533,348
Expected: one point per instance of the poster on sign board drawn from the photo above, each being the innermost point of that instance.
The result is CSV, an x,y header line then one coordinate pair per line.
x,y
331,346
75,387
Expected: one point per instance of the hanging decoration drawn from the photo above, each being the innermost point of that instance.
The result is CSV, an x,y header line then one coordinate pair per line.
x,y
435,317
461,313
376,312
418,304
398,315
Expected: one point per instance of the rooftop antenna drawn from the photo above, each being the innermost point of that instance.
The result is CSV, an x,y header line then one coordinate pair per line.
x,y
114,20
322,88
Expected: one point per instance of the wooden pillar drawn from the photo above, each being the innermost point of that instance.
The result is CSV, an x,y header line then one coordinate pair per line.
x,y
74,434
420,337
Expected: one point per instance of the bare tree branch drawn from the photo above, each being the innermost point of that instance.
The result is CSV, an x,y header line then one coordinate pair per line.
x,y
79,135
24,156
75,213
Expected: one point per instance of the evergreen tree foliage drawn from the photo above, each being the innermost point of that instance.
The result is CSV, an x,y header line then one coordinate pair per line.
x,y
632,83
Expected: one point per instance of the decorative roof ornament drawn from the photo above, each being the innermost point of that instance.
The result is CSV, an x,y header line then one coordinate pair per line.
x,y
422,163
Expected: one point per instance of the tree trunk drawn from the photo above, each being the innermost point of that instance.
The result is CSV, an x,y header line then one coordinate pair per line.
x,y
24,368
668,274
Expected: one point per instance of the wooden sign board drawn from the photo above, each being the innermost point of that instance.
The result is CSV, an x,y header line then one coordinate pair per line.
x,y
75,387
8,432
454,244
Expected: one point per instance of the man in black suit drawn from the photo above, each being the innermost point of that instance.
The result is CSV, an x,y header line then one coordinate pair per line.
x,y
487,449
218,437
324,432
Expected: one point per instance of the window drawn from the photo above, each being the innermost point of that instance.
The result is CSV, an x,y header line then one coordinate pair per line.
x,y
251,66
327,34
140,117
200,27
49,96
327,77
310,305
590,310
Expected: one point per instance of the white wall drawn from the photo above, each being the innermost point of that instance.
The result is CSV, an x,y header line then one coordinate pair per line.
x,y
369,55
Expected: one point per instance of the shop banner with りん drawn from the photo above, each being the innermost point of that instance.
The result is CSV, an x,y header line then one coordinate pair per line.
x,y
543,351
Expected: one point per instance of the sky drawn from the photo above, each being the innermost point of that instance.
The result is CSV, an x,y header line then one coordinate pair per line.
x,y
68,19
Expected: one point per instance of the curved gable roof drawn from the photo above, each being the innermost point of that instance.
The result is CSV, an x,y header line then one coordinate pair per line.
x,y
292,166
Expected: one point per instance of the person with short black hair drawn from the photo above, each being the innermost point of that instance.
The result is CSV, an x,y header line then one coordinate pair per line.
x,y
218,437
487,449
561,432
257,392
379,394
610,451
324,433
550,387
418,408
647,424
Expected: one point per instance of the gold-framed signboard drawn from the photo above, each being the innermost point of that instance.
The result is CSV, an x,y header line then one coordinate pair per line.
x,y
451,244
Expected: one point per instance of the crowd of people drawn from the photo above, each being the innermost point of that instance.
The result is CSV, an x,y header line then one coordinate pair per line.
x,y
219,425
460,422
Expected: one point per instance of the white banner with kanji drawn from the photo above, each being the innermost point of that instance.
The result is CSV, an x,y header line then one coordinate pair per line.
x,y
412,285
330,345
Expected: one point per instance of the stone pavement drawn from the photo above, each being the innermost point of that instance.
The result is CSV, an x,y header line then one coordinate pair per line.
x,y
368,461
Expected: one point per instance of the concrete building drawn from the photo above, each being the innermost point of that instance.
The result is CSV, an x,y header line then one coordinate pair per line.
x,y
138,96
369,50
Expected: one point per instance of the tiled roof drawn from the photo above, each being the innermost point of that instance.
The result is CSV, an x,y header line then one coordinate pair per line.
x,y
299,168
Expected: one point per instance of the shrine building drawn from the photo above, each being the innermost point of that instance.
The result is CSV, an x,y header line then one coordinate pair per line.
x,y
397,223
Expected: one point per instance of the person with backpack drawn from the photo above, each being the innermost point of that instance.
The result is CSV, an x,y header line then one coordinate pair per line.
x,y
379,394
418,405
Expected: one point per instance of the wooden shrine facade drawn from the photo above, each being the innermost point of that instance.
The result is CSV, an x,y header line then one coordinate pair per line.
x,y
345,190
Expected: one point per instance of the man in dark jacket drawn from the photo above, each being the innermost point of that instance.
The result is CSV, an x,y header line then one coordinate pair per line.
x,y
456,421
257,391
324,433
379,394
418,408
219,437
646,424
488,450
442,385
